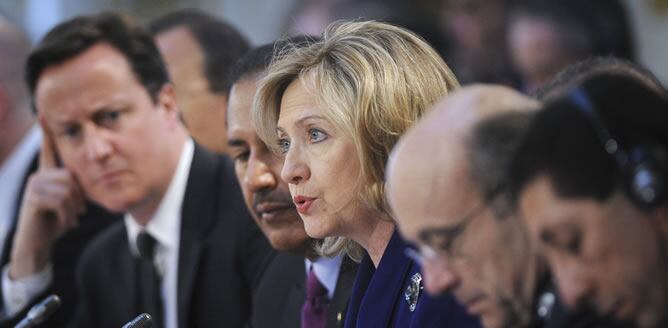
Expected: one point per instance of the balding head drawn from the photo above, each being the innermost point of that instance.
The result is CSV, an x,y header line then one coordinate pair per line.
x,y
438,205
430,163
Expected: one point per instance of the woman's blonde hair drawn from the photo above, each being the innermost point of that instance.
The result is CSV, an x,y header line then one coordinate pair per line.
x,y
373,81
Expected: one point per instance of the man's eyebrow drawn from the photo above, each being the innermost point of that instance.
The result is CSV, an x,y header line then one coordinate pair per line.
x,y
448,233
235,142
110,106
64,123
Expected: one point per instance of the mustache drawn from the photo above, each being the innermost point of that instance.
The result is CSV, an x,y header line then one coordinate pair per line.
x,y
273,196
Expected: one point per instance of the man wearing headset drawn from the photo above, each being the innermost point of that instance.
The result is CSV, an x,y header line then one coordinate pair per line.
x,y
589,180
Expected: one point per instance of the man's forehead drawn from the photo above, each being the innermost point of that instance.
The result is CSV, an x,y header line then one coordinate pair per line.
x,y
177,42
430,188
465,107
429,169
241,104
95,77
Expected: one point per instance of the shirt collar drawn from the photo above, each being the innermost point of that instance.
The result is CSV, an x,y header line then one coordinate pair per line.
x,y
164,226
327,271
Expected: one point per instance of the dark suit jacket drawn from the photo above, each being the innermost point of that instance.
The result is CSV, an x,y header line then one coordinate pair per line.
x,y
378,297
222,254
281,294
66,253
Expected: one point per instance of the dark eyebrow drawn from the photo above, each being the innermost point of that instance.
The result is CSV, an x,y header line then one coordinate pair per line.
x,y
236,143
64,124
112,106
452,232
448,233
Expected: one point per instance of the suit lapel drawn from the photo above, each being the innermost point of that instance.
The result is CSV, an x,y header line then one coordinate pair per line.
x,y
189,259
197,216
382,295
128,296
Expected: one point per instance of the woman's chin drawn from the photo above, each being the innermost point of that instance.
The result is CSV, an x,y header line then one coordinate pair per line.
x,y
316,230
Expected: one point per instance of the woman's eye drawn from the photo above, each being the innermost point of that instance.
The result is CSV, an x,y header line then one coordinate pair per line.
x,y
316,135
283,145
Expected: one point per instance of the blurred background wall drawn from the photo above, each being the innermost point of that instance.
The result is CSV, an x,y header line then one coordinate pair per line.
x,y
265,20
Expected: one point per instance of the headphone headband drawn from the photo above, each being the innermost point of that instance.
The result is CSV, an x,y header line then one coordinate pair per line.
x,y
642,175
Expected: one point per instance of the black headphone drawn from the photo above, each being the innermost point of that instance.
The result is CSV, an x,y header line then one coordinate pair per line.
x,y
641,166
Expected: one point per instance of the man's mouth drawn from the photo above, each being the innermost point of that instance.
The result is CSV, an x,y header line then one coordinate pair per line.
x,y
268,211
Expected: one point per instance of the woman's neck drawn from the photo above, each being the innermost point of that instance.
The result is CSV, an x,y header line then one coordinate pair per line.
x,y
373,234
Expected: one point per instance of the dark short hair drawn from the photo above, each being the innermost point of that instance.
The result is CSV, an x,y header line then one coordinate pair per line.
x,y
562,142
257,60
491,146
575,74
221,43
71,38
586,28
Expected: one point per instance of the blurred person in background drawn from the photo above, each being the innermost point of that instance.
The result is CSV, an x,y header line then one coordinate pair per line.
x,y
312,17
334,110
545,36
19,138
479,50
595,198
299,288
199,50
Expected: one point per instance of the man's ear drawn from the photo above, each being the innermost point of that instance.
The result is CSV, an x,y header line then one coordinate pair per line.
x,y
661,216
167,101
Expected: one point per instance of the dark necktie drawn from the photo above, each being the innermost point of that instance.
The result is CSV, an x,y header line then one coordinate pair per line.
x,y
150,299
314,311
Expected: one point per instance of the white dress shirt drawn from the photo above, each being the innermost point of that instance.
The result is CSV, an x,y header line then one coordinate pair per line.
x,y
164,226
327,270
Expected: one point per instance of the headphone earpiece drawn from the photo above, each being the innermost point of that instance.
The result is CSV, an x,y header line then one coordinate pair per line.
x,y
642,166
644,177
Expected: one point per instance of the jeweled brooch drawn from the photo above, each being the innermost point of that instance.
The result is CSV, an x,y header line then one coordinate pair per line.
x,y
412,293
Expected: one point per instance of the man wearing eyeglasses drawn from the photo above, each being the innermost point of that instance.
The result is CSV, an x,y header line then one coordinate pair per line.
x,y
445,182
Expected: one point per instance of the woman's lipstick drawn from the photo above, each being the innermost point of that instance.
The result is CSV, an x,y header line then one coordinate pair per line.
x,y
303,203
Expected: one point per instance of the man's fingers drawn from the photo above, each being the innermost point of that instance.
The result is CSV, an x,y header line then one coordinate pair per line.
x,y
57,178
58,212
64,199
47,154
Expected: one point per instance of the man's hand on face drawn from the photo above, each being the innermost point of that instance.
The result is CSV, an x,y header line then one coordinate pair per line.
x,y
51,205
